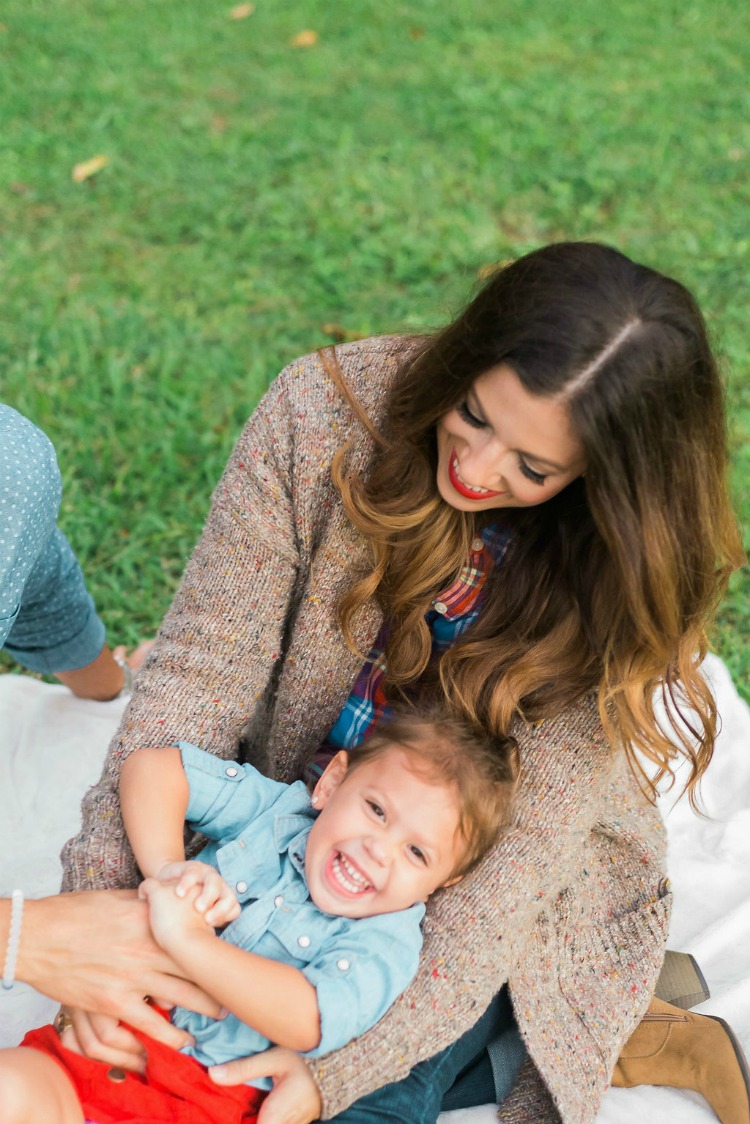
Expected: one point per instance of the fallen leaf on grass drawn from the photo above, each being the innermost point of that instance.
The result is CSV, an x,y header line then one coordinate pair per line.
x,y
88,168
304,39
340,334
241,11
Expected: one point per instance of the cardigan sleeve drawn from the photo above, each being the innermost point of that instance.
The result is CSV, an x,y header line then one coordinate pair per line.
x,y
220,642
477,931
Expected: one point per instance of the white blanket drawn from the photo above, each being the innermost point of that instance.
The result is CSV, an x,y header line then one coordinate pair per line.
x,y
51,750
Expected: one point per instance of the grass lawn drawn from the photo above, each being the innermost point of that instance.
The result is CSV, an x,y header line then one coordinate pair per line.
x,y
260,196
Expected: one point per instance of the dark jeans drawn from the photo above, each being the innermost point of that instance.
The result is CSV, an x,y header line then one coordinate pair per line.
x,y
462,1075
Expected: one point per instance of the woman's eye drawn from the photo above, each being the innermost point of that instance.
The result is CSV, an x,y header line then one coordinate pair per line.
x,y
376,809
467,416
537,477
418,854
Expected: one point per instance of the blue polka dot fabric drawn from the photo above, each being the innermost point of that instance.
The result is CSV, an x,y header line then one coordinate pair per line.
x,y
48,621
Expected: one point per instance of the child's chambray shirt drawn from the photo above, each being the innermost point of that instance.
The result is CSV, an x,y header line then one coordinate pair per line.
x,y
258,830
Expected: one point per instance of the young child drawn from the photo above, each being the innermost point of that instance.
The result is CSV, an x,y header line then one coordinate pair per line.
x,y
321,899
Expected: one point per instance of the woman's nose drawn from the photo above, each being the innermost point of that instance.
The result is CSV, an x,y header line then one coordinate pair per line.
x,y
482,462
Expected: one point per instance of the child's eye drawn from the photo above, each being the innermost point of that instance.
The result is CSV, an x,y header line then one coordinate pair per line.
x,y
376,809
418,854
537,477
466,414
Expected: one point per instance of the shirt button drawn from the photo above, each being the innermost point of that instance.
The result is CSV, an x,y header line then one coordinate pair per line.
x,y
116,1074
477,545
278,900
441,607
232,771
342,965
242,887
303,942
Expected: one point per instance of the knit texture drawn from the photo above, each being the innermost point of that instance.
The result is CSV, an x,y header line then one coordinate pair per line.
x,y
570,908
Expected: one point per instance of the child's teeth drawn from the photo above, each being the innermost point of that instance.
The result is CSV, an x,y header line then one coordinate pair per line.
x,y
348,876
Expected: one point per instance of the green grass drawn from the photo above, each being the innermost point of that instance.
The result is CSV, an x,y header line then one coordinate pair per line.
x,y
256,192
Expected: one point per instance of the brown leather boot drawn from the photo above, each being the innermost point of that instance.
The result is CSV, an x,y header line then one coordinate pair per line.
x,y
688,1051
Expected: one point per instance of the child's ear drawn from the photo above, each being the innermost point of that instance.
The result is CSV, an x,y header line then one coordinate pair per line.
x,y
334,774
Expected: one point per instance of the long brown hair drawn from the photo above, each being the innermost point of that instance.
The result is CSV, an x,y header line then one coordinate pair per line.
x,y
611,583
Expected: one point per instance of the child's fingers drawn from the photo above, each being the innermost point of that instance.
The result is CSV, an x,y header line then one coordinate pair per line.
x,y
224,911
193,874
214,892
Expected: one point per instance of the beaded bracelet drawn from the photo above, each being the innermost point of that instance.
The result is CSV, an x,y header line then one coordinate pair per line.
x,y
127,672
14,939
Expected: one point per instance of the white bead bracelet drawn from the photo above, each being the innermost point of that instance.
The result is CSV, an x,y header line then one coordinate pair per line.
x,y
14,939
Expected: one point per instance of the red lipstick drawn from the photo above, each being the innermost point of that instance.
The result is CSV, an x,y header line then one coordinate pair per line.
x,y
463,489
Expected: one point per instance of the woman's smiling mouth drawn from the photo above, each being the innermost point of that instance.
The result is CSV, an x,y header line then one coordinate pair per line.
x,y
469,491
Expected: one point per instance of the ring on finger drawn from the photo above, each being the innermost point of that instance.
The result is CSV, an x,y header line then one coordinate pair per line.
x,y
62,1021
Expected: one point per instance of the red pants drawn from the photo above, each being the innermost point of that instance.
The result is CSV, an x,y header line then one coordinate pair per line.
x,y
176,1089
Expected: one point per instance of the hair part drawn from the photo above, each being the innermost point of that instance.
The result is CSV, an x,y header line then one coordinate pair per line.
x,y
446,750
611,584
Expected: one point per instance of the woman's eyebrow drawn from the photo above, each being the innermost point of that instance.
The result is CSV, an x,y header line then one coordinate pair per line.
x,y
481,414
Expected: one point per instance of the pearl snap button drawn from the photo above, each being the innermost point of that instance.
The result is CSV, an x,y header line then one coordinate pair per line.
x,y
232,771
342,965
303,942
241,887
477,544
441,607
278,900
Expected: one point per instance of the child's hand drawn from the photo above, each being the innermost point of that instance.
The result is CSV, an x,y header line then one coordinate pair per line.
x,y
174,921
216,900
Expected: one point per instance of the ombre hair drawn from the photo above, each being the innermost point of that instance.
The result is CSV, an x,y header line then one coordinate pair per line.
x,y
611,584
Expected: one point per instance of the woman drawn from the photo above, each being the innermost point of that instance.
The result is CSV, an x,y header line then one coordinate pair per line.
x,y
527,513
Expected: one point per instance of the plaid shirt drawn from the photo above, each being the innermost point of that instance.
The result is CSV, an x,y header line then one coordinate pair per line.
x,y
452,612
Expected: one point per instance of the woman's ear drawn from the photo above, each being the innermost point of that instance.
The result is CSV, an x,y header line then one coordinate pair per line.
x,y
334,774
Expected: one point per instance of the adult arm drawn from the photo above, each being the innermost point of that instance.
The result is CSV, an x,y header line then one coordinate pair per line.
x,y
95,950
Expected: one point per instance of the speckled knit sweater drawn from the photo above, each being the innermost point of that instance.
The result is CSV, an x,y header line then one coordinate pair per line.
x,y
570,908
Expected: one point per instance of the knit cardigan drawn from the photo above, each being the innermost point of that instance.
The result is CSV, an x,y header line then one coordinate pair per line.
x,y
570,908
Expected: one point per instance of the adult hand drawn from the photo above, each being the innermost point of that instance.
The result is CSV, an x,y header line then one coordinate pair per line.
x,y
103,1038
294,1099
94,951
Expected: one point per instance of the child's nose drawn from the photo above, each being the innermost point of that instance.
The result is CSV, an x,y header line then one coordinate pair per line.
x,y
378,849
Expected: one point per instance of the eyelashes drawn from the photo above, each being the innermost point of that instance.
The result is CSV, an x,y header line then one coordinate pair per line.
x,y
468,417
535,477
476,423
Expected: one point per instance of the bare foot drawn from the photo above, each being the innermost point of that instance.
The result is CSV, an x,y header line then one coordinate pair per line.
x,y
137,657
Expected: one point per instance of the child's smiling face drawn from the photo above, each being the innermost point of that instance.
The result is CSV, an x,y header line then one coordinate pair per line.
x,y
387,836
